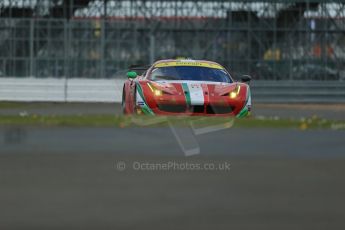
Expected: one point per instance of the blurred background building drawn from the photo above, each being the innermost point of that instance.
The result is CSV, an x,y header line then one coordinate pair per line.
x,y
298,40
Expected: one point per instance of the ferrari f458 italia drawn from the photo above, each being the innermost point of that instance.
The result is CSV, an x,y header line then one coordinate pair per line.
x,y
186,87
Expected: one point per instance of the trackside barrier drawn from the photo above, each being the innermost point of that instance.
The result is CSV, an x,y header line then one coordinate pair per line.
x,y
298,91
61,90
110,90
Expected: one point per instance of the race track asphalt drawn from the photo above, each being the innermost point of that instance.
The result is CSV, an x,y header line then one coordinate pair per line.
x,y
88,178
173,141
82,191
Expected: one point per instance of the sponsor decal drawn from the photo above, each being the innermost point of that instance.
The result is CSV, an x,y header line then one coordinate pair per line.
x,y
189,63
196,94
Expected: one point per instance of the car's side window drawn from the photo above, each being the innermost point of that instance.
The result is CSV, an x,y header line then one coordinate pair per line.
x,y
155,72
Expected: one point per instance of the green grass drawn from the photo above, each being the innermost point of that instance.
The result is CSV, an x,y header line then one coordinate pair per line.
x,y
12,105
75,120
137,121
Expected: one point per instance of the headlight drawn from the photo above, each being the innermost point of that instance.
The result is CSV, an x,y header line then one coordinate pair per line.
x,y
233,94
155,91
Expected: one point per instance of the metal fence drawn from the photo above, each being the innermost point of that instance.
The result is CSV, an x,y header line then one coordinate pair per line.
x,y
270,40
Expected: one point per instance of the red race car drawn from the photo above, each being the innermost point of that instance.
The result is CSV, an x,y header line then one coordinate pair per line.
x,y
185,87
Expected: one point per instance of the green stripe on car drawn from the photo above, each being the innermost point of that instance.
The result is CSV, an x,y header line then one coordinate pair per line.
x,y
244,112
145,108
186,93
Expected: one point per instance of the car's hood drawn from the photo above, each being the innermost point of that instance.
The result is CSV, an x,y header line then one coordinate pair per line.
x,y
196,88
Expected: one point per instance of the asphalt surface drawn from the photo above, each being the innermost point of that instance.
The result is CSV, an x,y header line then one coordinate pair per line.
x,y
173,141
87,192
70,178
141,178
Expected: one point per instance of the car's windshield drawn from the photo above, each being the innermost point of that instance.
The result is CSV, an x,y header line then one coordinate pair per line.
x,y
190,73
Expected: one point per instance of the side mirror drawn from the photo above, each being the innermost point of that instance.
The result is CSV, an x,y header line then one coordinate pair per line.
x,y
132,74
246,78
